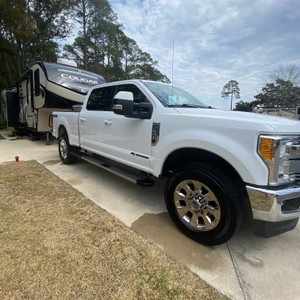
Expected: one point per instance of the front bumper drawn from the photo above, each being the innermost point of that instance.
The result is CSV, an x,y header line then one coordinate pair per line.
x,y
274,211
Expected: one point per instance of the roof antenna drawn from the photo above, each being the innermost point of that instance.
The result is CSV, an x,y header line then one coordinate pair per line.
x,y
173,64
172,84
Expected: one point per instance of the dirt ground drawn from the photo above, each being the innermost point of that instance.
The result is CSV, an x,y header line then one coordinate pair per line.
x,y
57,244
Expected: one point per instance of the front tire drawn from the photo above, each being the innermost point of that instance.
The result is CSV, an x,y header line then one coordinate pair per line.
x,y
203,203
64,149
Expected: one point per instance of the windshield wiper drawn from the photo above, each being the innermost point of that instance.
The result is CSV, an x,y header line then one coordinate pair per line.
x,y
186,105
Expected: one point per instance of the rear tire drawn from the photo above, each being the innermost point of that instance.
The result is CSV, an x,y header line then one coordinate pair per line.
x,y
203,203
64,149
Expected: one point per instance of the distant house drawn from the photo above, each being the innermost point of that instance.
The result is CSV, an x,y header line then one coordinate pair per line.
x,y
290,113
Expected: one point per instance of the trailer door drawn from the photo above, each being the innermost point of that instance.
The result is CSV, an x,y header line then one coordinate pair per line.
x,y
12,107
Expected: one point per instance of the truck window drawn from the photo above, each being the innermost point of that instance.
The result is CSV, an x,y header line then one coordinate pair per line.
x,y
101,99
138,95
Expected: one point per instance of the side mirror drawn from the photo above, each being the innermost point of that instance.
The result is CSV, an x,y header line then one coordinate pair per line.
x,y
144,110
123,104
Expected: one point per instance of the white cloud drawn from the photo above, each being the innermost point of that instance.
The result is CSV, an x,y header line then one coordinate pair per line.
x,y
215,41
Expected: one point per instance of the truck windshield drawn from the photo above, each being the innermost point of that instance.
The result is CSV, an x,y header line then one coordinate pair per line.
x,y
72,78
171,96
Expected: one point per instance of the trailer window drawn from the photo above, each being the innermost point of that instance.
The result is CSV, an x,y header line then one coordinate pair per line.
x,y
101,99
37,90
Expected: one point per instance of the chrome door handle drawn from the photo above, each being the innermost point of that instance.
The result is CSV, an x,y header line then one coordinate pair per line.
x,y
107,122
82,119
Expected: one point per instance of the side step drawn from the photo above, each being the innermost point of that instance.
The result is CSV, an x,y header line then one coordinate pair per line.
x,y
132,177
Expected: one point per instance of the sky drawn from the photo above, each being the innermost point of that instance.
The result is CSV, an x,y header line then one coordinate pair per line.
x,y
202,44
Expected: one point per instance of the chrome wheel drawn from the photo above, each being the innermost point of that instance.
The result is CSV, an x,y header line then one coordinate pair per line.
x,y
203,202
197,205
63,149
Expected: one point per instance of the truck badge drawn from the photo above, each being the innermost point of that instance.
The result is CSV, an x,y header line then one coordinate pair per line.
x,y
155,133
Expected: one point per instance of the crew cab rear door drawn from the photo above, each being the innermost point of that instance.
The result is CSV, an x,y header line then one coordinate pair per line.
x,y
126,140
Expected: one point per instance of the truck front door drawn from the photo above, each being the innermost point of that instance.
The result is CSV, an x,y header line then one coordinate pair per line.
x,y
126,140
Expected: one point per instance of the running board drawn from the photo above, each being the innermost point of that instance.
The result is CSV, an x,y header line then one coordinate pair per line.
x,y
132,177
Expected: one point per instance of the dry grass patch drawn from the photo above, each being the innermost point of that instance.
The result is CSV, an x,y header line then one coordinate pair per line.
x,y
57,244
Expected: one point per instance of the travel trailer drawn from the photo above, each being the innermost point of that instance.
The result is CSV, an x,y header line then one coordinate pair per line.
x,y
43,88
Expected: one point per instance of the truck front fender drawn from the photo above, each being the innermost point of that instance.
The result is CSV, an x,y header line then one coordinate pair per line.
x,y
240,153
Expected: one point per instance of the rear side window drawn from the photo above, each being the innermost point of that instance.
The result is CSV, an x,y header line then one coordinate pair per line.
x,y
101,99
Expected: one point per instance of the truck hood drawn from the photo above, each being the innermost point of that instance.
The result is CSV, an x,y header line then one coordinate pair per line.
x,y
280,125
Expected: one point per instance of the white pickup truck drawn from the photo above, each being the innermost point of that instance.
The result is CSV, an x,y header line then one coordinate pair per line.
x,y
218,166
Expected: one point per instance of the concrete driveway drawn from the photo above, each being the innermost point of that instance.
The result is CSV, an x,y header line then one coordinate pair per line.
x,y
247,267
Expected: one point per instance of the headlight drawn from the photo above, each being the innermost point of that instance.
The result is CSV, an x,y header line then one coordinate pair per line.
x,y
275,151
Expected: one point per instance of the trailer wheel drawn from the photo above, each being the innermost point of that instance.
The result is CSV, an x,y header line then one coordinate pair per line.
x,y
203,203
20,131
64,149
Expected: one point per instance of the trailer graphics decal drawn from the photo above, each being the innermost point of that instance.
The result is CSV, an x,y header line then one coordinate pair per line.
x,y
79,79
72,78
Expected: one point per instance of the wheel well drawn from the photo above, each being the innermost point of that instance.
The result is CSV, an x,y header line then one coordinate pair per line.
x,y
61,130
189,155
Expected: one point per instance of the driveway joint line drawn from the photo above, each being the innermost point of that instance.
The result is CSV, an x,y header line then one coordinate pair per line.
x,y
236,270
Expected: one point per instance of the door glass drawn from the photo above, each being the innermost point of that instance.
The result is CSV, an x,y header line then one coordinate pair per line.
x,y
101,99
138,96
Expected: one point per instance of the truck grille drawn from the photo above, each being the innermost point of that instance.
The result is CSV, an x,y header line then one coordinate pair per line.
x,y
295,160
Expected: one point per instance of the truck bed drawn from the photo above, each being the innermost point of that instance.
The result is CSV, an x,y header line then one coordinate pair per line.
x,y
70,120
